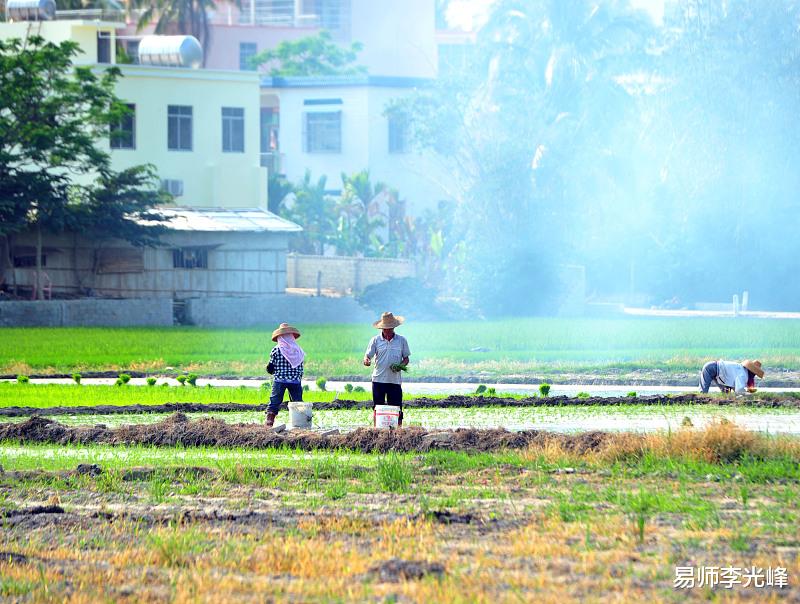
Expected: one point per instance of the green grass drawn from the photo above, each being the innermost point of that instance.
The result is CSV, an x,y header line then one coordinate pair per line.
x,y
520,347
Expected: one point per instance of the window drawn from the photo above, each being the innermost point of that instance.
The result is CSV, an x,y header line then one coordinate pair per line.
x,y
120,260
323,132
190,257
103,47
247,50
233,129
179,127
28,260
123,132
398,133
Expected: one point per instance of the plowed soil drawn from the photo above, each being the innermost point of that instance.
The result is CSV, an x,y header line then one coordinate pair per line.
x,y
179,430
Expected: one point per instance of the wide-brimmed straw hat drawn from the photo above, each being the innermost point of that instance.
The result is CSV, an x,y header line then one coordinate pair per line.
x,y
754,366
388,321
285,328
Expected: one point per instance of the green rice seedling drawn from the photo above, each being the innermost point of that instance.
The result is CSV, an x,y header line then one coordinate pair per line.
x,y
23,379
398,367
394,474
209,387
491,391
544,388
76,377
176,545
109,481
165,385
181,380
583,395
159,488
744,493
641,507
337,489
480,389
631,394
151,381
191,379
359,389
119,382
348,387
124,377
306,388
320,382
11,587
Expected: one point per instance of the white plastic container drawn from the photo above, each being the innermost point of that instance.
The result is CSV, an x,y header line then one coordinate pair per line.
x,y
386,416
300,414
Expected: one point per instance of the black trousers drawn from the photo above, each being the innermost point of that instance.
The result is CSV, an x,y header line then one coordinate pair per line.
x,y
387,394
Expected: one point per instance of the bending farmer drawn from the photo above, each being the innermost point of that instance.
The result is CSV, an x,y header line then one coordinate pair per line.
x,y
391,353
731,376
286,364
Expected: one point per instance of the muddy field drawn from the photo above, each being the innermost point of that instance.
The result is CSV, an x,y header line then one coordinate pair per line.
x,y
178,430
453,401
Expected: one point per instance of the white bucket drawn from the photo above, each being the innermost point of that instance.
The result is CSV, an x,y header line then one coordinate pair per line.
x,y
300,414
386,416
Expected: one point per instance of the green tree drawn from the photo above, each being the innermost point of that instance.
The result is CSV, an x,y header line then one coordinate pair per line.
x,y
359,215
310,56
313,209
54,177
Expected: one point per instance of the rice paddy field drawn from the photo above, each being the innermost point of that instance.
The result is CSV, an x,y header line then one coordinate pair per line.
x,y
527,349
108,495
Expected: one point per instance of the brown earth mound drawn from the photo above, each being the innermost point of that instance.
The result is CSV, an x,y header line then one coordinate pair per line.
x,y
179,430
453,401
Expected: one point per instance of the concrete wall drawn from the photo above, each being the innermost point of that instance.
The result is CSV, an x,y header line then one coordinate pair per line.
x,y
87,312
343,273
273,310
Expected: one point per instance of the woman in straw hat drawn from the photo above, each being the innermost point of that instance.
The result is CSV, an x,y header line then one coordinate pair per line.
x,y
731,376
286,365
389,350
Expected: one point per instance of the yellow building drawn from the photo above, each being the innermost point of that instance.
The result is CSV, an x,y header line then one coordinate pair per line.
x,y
200,128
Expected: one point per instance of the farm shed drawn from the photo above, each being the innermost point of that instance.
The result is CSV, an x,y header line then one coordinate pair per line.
x,y
207,252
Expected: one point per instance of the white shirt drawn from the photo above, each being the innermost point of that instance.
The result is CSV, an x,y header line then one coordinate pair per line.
x,y
733,375
387,353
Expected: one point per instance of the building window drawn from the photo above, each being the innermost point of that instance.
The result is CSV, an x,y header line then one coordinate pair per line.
x,y
247,50
179,127
233,129
323,132
190,257
28,260
123,131
398,133
103,47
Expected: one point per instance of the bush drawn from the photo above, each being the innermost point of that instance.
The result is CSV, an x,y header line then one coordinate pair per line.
x,y
181,380
321,381
544,388
151,381
76,377
191,379
125,378
23,379
480,389
348,387
359,389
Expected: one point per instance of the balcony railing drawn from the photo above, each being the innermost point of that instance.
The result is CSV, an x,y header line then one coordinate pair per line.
x,y
325,14
92,14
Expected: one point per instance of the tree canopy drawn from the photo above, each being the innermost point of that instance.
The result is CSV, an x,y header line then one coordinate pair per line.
x,y
54,176
311,56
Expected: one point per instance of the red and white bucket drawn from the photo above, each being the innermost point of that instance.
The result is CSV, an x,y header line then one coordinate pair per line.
x,y
386,416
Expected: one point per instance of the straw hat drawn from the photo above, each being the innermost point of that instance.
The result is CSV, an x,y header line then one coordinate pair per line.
x,y
284,329
754,366
388,321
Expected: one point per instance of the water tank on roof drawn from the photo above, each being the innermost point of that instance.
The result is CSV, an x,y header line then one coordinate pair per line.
x,y
174,51
30,10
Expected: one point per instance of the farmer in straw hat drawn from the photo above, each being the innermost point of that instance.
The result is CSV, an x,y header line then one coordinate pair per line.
x,y
731,376
286,365
390,352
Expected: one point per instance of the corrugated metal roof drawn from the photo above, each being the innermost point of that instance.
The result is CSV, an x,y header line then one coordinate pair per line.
x,y
223,219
